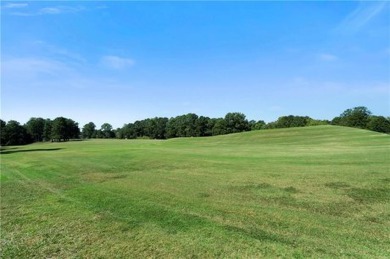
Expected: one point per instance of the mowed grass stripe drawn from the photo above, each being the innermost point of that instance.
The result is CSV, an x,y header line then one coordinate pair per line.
x,y
312,192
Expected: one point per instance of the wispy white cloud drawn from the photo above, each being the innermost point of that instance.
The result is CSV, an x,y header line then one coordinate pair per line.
x,y
28,68
115,62
362,15
50,11
15,5
327,57
50,72
59,52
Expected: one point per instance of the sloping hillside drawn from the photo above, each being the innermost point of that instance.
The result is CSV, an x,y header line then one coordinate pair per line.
x,y
301,135
299,192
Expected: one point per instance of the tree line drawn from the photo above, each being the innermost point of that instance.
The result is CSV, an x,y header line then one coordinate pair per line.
x,y
37,130
188,125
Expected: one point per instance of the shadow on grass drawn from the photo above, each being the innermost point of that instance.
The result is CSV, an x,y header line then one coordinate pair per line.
x,y
12,150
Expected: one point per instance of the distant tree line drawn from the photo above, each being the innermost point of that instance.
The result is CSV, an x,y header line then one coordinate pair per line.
x,y
38,129
361,117
188,125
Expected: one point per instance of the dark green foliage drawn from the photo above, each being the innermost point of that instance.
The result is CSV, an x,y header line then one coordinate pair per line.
x,y
236,122
336,121
2,127
64,129
157,128
140,128
256,125
126,132
210,125
202,126
379,124
292,121
47,130
360,117
189,125
89,130
357,117
12,133
171,131
73,130
186,125
99,134
58,130
219,127
35,127
106,131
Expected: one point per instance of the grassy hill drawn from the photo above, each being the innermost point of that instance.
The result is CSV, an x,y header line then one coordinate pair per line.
x,y
301,192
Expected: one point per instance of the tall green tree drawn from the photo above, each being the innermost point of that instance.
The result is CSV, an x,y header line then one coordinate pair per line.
x,y
379,124
89,130
72,129
157,128
58,130
2,132
219,127
202,126
35,126
183,126
292,121
139,128
106,129
64,129
171,130
256,125
236,122
357,117
47,130
15,134
188,125
128,132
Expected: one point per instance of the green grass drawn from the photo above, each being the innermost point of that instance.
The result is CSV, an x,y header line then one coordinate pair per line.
x,y
302,192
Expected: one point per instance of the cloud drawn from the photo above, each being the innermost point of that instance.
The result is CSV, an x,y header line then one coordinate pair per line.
x,y
327,57
50,11
362,15
59,52
36,72
29,68
15,5
115,62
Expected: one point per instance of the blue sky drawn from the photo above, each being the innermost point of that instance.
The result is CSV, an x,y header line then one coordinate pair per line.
x,y
121,61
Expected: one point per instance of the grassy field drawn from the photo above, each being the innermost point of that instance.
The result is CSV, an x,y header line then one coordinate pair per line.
x,y
302,192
